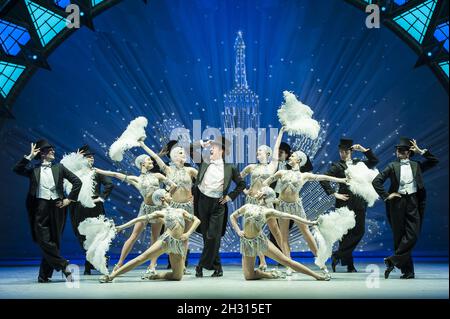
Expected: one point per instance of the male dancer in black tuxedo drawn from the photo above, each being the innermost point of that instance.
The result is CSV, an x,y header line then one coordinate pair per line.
x,y
405,202
210,199
283,154
46,205
78,212
344,197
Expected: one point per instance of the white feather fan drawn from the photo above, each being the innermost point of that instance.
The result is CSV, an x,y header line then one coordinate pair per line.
x,y
99,232
360,183
78,164
297,117
129,138
330,229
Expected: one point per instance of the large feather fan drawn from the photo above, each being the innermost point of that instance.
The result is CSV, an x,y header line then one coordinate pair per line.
x,y
129,138
360,183
99,232
296,117
330,229
78,164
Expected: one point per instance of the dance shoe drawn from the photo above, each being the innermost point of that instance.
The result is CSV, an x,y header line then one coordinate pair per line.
x,y
326,277
187,271
217,273
389,267
408,275
289,271
105,279
334,262
67,274
351,268
262,267
325,271
198,271
43,280
276,274
149,272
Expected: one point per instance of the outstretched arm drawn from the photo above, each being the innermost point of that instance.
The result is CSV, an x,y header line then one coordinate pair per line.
x,y
278,214
320,177
272,178
143,218
120,176
274,163
155,156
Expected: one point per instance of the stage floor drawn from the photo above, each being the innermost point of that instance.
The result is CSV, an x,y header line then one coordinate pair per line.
x,y
431,282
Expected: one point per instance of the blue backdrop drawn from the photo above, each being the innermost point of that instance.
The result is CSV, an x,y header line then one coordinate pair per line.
x,y
172,61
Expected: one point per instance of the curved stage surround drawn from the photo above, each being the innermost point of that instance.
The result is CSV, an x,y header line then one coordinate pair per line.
x,y
181,64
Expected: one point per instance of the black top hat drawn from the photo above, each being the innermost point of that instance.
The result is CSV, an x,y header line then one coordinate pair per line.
x,y
86,150
345,143
404,143
42,144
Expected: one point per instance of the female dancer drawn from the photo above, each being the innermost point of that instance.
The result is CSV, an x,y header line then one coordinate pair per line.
x,y
258,174
181,175
172,241
289,201
146,183
254,242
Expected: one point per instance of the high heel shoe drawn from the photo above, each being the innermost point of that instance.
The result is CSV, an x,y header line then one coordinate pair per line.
x,y
277,274
262,267
105,279
149,272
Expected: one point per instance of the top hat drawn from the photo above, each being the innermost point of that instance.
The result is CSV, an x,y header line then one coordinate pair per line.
x,y
223,142
86,150
405,143
42,144
345,143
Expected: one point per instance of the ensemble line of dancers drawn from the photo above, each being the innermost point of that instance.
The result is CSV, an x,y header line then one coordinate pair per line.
x,y
197,197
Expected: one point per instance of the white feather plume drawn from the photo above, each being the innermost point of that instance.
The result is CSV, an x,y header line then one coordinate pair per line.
x,y
78,164
134,132
330,229
360,183
296,117
99,232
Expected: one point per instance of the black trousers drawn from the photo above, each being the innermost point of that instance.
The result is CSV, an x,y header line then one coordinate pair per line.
x,y
405,222
211,214
48,226
79,213
351,240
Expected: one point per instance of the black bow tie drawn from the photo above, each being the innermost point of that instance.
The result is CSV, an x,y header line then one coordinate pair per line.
x,y
46,165
404,162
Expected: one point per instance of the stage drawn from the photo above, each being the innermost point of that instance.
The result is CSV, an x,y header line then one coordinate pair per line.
x,y
431,283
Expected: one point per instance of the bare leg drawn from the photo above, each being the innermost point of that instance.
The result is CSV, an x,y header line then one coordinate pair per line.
x,y
274,253
137,230
275,230
248,265
187,225
308,237
262,261
155,250
177,263
156,229
284,229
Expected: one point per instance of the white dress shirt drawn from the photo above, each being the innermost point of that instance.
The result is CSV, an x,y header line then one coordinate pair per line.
x,y
47,187
407,182
212,183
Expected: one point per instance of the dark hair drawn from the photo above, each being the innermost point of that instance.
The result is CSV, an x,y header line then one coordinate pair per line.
x,y
286,148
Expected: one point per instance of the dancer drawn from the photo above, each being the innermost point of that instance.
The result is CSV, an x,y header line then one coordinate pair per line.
x,y
78,212
254,242
291,182
171,242
146,183
212,195
46,205
405,202
345,198
182,176
259,173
